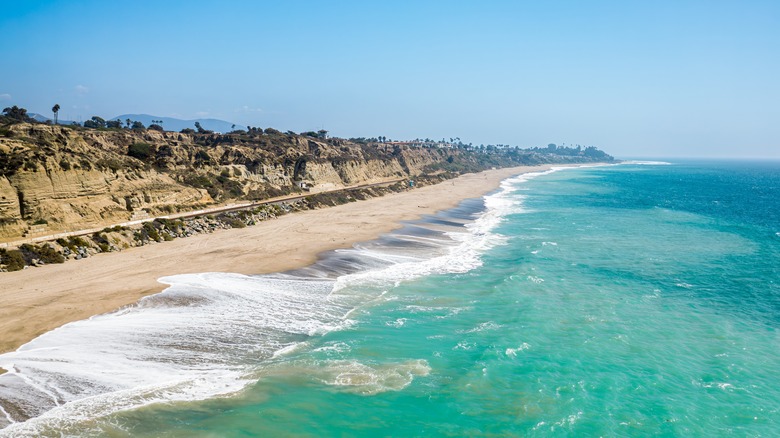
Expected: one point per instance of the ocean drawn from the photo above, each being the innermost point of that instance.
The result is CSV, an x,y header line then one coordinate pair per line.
x,y
639,299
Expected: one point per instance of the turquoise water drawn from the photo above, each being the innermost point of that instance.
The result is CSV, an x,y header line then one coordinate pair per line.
x,y
630,300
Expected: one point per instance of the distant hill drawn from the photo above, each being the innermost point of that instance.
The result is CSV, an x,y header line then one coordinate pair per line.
x,y
172,124
43,119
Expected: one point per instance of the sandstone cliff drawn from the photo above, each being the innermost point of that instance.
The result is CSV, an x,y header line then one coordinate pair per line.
x,y
57,178
65,178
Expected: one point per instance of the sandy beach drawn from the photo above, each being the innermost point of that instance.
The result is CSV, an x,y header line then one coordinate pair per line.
x,y
36,300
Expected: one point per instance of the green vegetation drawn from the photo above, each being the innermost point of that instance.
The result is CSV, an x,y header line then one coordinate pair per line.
x,y
218,186
95,122
198,181
202,158
15,114
73,243
115,229
13,260
149,230
44,253
233,222
56,110
201,130
101,241
10,163
141,151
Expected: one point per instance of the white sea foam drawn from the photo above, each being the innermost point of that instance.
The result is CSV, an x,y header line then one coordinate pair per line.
x,y
466,247
465,345
485,326
512,352
397,323
198,339
569,421
464,250
335,347
354,376
209,334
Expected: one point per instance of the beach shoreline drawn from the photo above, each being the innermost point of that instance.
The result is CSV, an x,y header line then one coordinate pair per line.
x,y
37,300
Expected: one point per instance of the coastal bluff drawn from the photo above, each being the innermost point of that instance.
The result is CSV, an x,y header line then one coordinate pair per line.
x,y
56,179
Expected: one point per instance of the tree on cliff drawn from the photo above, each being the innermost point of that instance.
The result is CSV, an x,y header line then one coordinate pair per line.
x,y
95,122
17,114
55,109
201,130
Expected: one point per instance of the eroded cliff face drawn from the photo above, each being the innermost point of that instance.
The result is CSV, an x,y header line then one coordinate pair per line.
x,y
55,178
86,198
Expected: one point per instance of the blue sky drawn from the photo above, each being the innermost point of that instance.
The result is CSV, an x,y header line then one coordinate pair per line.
x,y
653,79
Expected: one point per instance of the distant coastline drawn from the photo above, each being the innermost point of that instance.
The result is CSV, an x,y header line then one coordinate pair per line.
x,y
95,188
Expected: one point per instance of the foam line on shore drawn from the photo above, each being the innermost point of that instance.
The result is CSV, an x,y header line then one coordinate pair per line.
x,y
206,333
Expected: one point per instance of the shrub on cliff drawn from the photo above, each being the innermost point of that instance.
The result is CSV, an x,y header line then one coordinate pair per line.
x,y
13,260
197,181
15,114
10,163
73,243
150,231
101,240
44,253
141,151
232,222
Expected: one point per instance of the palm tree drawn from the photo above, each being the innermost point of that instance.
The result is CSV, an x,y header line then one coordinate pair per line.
x,y
55,109
128,123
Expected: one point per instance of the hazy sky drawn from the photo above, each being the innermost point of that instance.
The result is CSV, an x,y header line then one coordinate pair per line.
x,y
636,78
